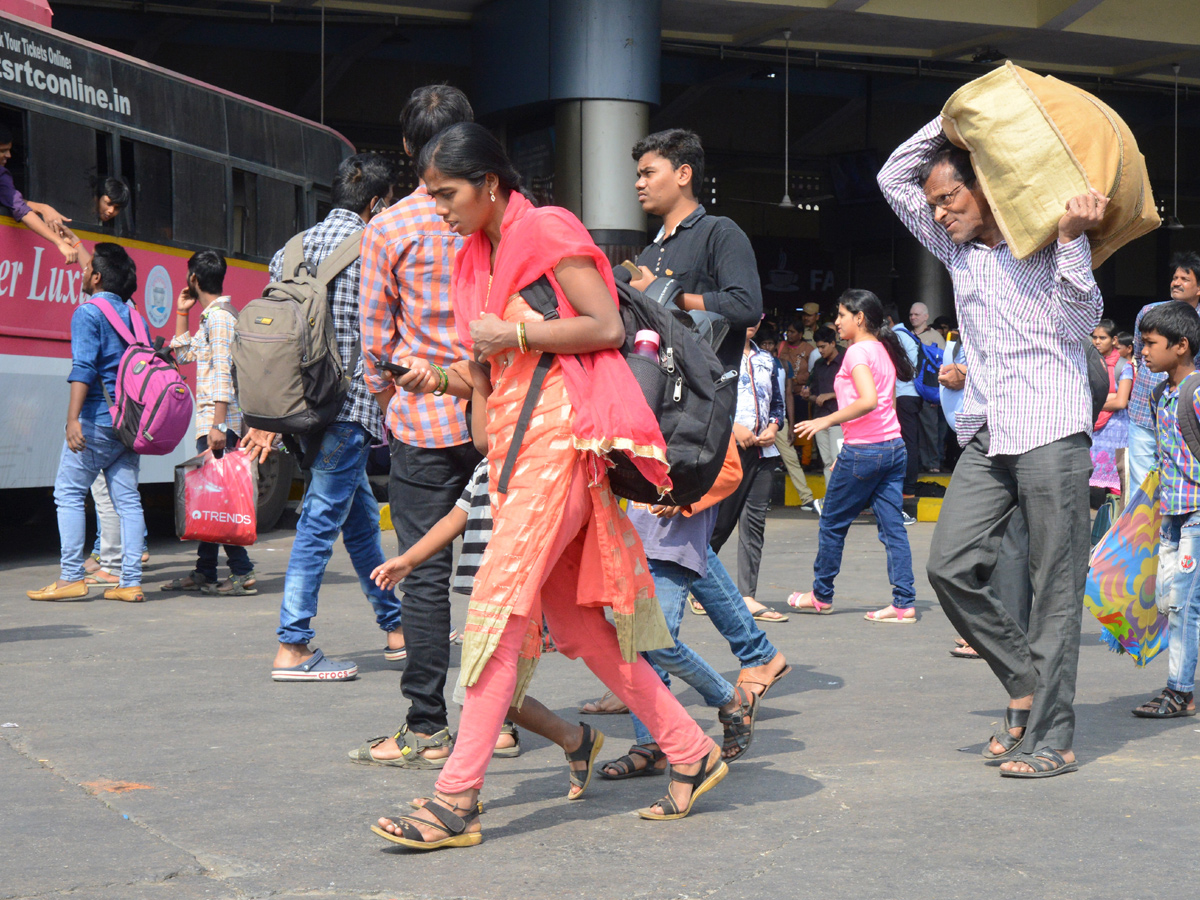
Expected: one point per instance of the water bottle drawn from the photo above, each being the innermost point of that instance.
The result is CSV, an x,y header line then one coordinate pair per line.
x,y
645,343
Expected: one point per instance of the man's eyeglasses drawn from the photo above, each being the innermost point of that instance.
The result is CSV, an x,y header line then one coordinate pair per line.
x,y
946,199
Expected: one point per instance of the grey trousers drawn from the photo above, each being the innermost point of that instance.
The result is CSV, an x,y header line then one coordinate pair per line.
x,y
1049,485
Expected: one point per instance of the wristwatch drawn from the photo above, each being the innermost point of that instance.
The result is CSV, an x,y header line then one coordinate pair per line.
x,y
223,428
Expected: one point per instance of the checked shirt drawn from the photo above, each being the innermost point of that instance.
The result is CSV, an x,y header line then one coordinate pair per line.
x,y
1025,323
319,241
407,263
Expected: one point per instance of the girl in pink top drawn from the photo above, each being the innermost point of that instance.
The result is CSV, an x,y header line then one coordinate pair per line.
x,y
869,471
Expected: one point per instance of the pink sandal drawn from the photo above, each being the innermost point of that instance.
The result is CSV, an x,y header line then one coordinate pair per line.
x,y
813,606
898,619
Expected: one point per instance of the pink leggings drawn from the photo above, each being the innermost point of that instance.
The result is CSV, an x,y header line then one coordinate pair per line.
x,y
579,631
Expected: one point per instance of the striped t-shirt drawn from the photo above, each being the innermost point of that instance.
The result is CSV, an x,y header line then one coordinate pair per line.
x,y
476,503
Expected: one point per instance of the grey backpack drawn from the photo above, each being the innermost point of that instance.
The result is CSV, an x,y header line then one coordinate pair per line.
x,y
288,373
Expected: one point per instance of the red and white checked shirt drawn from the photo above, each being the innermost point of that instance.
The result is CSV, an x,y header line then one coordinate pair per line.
x,y
407,263
1025,323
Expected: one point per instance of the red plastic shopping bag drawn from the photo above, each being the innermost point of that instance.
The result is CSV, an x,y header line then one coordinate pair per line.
x,y
215,499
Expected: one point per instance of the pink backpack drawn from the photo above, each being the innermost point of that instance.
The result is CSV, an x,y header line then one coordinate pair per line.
x,y
153,410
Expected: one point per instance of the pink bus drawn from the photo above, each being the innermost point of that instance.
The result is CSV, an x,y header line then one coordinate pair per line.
x,y
206,169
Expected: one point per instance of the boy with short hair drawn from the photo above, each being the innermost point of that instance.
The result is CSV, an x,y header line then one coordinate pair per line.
x,y
1170,336
218,418
91,447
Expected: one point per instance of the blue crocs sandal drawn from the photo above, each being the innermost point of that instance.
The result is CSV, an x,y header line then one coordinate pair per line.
x,y
318,668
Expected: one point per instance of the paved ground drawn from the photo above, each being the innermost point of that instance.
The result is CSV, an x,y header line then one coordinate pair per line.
x,y
147,755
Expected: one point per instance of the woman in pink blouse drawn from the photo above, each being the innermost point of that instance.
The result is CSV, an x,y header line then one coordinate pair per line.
x,y
869,471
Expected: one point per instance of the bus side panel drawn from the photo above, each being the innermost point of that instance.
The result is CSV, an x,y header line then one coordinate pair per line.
x,y
38,295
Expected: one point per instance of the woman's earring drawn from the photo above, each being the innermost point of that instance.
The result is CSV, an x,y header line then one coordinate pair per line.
x,y
492,194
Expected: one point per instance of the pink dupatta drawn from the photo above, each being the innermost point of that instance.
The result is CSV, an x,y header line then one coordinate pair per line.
x,y
610,411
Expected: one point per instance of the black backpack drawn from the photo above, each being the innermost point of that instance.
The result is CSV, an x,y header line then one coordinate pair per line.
x,y
688,390
1185,413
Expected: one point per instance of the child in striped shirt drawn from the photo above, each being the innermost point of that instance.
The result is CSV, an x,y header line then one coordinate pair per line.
x,y
471,518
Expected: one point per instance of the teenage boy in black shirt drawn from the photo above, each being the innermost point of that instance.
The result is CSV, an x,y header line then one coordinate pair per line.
x,y
702,262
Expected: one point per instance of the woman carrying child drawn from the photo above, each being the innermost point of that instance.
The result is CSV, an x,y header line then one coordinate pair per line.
x,y
561,546
869,472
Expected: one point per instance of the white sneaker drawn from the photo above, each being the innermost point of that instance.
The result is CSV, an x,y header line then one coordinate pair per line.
x,y
817,506
908,520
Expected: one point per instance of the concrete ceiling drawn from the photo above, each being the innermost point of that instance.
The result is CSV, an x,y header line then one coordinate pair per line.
x,y
1123,39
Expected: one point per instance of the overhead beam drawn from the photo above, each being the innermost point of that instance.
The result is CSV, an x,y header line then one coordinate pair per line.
x,y
773,28
949,51
338,67
1074,11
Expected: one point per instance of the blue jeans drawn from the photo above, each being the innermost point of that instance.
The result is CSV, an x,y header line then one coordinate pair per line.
x,y
76,472
1140,457
1179,596
866,475
338,498
726,609
672,583
207,554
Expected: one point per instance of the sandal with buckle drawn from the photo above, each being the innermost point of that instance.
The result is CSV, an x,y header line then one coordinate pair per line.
x,y
739,725
1170,704
588,750
413,745
234,586
509,752
1013,718
193,581
628,765
448,821
702,782
1046,763
364,755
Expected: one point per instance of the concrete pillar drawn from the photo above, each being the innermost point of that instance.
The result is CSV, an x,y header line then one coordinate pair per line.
x,y
933,285
595,172
604,74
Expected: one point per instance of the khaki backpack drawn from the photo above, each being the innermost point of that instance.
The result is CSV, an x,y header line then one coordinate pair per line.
x,y
288,373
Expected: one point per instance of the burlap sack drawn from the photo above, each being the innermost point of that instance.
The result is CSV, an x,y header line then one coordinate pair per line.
x,y
1036,142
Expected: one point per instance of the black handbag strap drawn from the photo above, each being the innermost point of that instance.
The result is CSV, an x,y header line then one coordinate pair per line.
x,y
541,298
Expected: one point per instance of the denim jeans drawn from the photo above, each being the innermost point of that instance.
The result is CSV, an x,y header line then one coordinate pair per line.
x,y
338,498
1179,591
76,472
672,582
1140,457
866,475
726,609
207,554
107,549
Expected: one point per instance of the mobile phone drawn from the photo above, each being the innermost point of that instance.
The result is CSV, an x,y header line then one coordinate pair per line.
x,y
394,369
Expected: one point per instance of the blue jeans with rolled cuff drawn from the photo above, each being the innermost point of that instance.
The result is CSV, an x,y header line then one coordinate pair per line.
x,y
866,475
1178,590
338,500
102,452
672,583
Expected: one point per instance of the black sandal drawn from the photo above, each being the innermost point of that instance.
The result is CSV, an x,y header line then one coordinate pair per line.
x,y
1046,763
739,725
629,767
1013,718
588,750
702,782
1170,704
448,820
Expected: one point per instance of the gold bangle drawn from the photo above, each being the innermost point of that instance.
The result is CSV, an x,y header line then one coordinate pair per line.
x,y
522,341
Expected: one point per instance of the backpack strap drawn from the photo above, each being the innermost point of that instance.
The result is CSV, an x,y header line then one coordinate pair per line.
x,y
225,305
541,297
1185,412
343,255
139,335
1155,396
293,257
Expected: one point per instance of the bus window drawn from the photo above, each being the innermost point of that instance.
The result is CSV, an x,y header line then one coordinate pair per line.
x,y
245,213
15,120
62,162
277,220
199,201
148,170
322,196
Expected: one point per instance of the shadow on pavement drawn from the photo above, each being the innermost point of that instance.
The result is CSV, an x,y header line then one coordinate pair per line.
x,y
44,633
